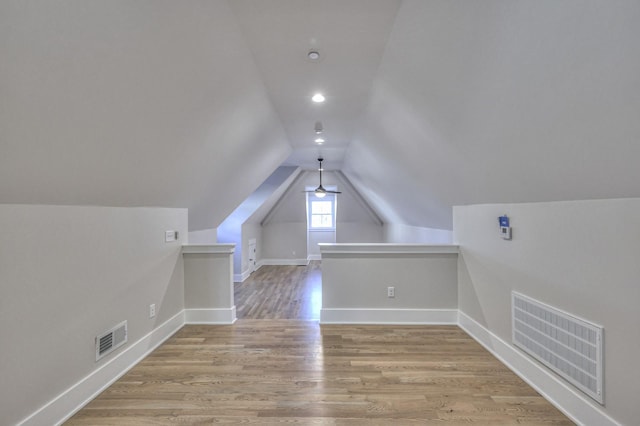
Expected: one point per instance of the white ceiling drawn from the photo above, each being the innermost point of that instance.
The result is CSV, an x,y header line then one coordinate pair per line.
x,y
429,103
349,35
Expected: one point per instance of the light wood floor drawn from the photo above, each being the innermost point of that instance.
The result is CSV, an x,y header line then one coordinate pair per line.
x,y
296,372
281,292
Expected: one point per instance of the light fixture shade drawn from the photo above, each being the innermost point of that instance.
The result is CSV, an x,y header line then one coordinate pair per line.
x,y
320,194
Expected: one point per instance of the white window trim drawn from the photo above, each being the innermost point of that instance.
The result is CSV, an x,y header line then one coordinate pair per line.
x,y
334,201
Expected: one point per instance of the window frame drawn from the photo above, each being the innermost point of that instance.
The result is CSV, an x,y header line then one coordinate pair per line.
x,y
329,198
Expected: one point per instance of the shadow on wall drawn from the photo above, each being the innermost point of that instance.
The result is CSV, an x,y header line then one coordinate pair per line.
x,y
468,299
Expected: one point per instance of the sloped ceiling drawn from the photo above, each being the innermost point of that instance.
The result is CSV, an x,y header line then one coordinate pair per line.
x,y
494,101
350,37
133,103
429,103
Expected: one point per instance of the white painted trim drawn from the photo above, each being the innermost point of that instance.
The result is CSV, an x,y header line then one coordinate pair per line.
x,y
284,262
208,248
386,248
314,257
388,316
69,402
210,316
238,278
571,402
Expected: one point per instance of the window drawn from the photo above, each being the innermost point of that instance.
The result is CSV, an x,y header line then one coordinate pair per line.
x,y
322,214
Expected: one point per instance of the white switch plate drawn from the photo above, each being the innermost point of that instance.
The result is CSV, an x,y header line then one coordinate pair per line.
x,y
152,310
170,236
391,292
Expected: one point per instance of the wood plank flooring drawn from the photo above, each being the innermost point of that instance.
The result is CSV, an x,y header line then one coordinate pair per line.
x,y
295,371
281,292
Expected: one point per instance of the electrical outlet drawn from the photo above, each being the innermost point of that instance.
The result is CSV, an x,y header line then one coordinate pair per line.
x,y
152,310
391,292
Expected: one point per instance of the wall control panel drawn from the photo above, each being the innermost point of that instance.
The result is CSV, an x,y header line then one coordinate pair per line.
x,y
170,236
505,229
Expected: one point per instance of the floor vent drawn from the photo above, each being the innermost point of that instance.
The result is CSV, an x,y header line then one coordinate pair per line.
x,y
111,340
567,345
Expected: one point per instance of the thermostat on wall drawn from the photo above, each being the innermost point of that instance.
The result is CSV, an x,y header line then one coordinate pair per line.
x,y
505,229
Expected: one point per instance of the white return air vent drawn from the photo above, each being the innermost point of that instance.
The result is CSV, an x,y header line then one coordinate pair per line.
x,y
111,340
567,345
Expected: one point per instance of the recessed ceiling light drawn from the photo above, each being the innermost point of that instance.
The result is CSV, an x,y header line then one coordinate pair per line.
x,y
319,140
318,97
313,55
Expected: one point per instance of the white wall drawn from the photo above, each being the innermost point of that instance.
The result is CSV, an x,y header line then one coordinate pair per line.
x,y
359,232
355,278
284,240
404,234
232,235
315,237
578,256
285,228
69,273
208,283
204,236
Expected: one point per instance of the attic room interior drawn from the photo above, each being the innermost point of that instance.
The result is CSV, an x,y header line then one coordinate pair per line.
x,y
480,219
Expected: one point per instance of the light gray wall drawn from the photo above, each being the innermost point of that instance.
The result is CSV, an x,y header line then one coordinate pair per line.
x,y
282,229
232,235
359,232
204,236
578,256
399,233
318,237
232,229
360,281
68,274
284,240
208,281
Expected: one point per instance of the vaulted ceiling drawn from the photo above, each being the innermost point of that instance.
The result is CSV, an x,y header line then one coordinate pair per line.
x,y
430,103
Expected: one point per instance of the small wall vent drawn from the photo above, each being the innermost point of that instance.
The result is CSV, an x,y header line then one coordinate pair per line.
x,y
569,346
111,340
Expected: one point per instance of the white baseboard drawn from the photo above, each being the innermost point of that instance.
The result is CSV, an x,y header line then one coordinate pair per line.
x,y
65,405
210,316
284,262
571,402
239,278
388,316
314,257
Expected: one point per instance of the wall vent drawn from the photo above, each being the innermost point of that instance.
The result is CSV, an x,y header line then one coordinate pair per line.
x,y
569,346
111,340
